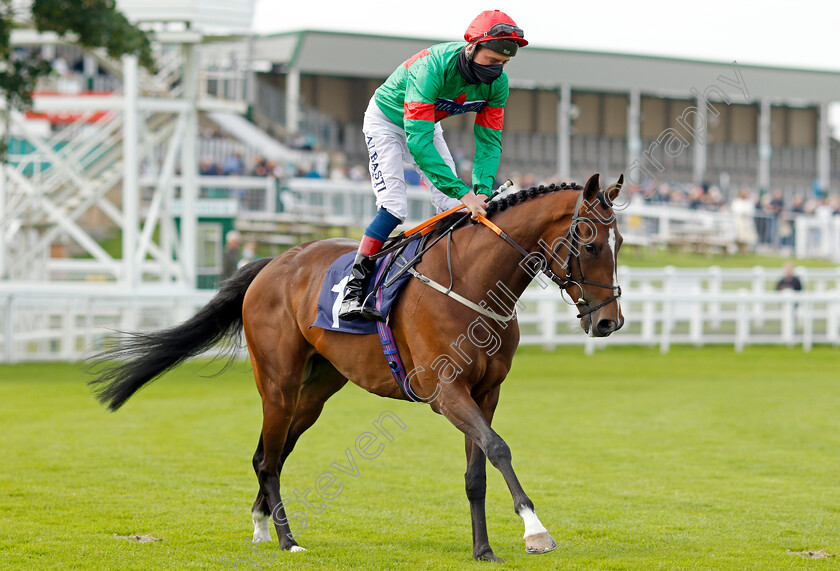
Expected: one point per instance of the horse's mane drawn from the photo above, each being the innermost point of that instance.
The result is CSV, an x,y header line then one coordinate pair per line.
x,y
505,202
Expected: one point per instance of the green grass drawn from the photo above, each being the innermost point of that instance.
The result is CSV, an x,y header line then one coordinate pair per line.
x,y
648,258
698,459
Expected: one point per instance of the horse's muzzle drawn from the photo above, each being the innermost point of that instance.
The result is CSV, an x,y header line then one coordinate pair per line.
x,y
606,326
602,327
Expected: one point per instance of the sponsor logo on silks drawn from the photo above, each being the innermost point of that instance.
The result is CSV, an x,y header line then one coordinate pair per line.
x,y
375,173
446,107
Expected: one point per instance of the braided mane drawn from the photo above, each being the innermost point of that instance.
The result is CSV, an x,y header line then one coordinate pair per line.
x,y
506,202
515,198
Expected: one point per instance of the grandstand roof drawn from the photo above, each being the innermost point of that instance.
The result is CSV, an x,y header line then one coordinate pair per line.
x,y
362,55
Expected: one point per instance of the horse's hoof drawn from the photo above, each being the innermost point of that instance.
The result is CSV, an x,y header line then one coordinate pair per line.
x,y
296,548
488,556
540,543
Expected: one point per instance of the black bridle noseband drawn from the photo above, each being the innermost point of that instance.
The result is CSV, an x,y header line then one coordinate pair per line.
x,y
570,239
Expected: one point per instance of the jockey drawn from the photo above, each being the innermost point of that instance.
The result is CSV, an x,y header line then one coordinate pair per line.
x,y
402,124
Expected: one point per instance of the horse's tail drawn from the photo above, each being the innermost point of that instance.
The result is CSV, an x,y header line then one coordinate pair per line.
x,y
142,357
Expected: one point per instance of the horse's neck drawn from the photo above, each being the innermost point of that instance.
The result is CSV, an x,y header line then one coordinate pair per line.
x,y
485,259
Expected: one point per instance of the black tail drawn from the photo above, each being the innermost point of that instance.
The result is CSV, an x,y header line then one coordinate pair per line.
x,y
142,357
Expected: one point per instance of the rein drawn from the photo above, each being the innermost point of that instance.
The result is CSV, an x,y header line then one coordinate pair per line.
x,y
563,282
566,281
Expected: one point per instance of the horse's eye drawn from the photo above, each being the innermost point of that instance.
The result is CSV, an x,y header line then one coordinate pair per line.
x,y
591,249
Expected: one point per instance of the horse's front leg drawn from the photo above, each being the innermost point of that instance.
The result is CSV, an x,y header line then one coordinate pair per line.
x,y
476,483
456,404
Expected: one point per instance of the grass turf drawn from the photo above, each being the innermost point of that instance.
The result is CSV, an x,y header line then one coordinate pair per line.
x,y
698,459
648,258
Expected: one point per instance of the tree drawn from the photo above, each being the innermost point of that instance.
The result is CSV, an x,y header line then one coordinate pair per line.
x,y
95,23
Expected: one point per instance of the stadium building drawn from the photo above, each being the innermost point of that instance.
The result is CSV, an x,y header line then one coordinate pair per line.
x,y
571,113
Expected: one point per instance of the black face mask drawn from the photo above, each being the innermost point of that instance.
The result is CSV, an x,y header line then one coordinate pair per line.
x,y
476,73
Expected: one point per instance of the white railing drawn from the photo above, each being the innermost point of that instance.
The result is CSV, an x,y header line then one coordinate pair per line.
x,y
43,322
714,279
698,318
818,237
68,322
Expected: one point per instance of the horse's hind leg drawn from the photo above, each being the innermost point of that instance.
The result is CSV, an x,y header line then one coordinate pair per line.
x,y
321,381
260,513
279,382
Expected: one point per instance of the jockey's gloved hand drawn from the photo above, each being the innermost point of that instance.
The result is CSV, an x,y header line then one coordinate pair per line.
x,y
475,203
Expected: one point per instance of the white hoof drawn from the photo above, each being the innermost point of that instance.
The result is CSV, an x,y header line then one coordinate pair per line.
x,y
296,548
540,543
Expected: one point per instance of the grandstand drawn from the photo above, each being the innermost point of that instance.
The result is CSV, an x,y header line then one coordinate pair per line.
x,y
121,177
573,112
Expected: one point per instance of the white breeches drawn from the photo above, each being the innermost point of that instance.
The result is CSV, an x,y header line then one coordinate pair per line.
x,y
388,151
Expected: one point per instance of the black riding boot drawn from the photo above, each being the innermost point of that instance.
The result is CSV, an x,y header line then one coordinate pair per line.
x,y
351,305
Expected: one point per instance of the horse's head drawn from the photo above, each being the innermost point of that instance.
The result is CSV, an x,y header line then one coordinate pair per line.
x,y
589,255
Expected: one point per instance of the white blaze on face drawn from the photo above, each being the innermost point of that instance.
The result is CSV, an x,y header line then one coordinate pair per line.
x,y
611,241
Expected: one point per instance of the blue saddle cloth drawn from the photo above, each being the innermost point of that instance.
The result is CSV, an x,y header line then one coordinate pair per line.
x,y
332,291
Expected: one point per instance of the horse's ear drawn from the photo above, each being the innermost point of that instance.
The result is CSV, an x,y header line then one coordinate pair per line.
x,y
591,188
613,190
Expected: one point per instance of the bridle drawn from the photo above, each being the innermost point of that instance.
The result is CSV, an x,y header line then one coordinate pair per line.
x,y
571,238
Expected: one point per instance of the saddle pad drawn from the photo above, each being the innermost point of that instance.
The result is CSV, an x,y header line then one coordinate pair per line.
x,y
335,280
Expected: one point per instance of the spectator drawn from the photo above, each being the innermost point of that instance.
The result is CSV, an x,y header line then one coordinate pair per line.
x,y
775,207
231,256
714,200
834,205
61,67
789,280
777,203
207,168
798,204
824,210
743,214
696,198
234,165
358,173
249,254
260,167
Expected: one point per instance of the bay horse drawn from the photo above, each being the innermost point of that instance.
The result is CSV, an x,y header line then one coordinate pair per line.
x,y
567,232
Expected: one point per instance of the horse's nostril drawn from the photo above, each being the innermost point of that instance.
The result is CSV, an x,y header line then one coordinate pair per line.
x,y
606,326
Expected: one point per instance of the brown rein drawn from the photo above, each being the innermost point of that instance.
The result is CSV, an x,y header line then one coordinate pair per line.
x,y
563,282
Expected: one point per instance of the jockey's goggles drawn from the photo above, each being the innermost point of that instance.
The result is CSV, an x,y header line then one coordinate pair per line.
x,y
502,31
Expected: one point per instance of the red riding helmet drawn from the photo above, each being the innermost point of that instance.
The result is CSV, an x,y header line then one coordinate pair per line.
x,y
497,31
